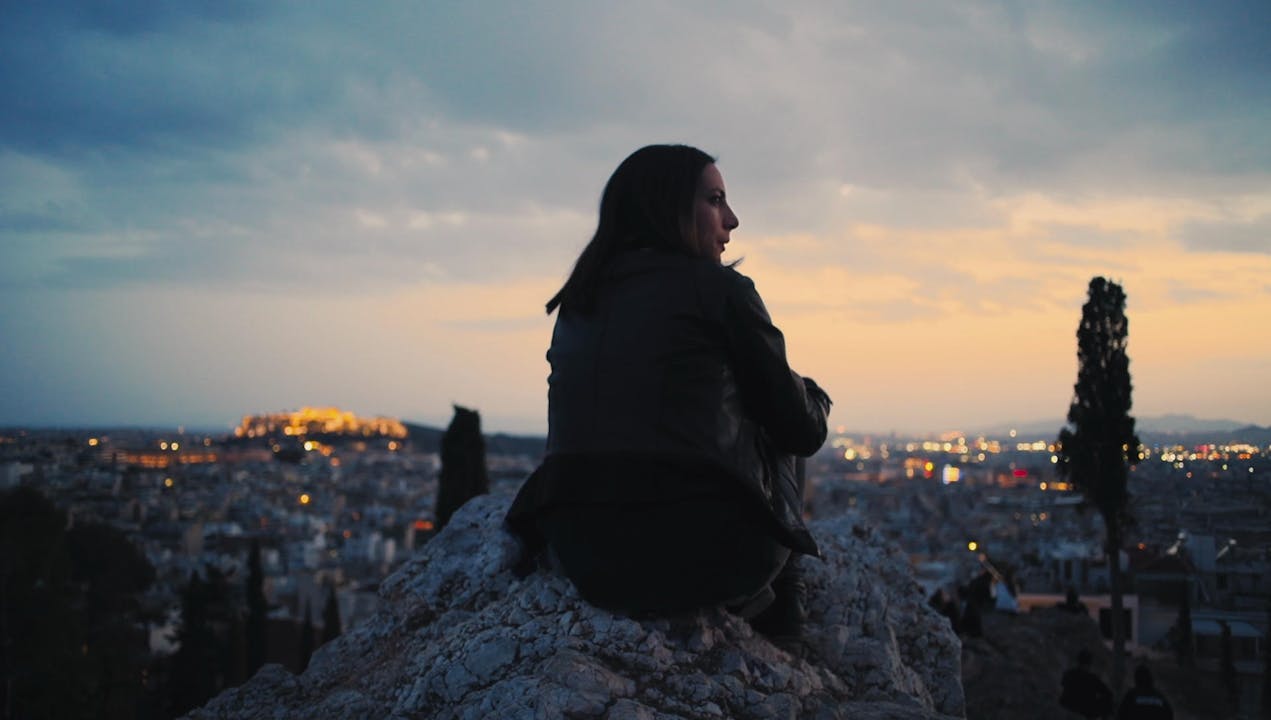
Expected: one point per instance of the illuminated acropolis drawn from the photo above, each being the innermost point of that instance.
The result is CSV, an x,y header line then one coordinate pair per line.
x,y
316,421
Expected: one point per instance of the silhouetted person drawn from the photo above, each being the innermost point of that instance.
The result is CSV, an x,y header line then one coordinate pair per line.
x,y
937,599
1072,603
972,622
1083,692
946,606
952,611
672,478
1143,702
980,590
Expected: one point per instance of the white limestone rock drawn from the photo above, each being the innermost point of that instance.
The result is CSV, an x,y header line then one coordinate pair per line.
x,y
459,637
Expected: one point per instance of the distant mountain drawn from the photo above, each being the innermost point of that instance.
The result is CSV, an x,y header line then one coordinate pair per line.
x,y
428,439
1179,423
1157,425
1251,434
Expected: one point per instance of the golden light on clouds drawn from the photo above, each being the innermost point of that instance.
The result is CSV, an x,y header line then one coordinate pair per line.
x,y
978,316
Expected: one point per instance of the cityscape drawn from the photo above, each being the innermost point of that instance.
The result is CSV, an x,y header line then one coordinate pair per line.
x,y
331,502
254,255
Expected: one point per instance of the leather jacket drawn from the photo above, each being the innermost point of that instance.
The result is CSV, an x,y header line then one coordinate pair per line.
x,y
679,360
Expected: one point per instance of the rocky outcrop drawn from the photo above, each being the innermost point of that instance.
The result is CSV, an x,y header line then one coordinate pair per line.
x,y
460,637
1013,669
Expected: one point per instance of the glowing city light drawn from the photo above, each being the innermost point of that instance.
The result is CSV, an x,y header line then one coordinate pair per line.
x,y
304,498
972,546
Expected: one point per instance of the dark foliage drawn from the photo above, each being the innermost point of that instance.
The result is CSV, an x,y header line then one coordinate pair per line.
x,y
1266,670
1227,665
1184,638
72,637
463,471
306,638
330,617
1100,443
257,612
209,657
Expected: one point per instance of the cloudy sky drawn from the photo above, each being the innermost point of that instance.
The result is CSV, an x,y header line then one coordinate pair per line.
x,y
215,208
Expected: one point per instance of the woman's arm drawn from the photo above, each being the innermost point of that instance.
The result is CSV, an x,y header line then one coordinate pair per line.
x,y
792,409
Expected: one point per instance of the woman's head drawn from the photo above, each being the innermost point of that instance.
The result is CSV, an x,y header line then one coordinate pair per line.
x,y
666,197
648,201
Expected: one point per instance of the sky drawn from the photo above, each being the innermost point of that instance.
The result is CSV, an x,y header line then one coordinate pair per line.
x,y
210,209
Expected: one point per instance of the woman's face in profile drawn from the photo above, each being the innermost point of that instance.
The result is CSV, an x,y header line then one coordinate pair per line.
x,y
712,218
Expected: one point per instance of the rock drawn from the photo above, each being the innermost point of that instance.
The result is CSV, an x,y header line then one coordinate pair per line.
x,y
1015,670
459,636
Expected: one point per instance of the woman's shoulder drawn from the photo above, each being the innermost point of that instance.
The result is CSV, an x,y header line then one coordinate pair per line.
x,y
703,270
738,288
725,276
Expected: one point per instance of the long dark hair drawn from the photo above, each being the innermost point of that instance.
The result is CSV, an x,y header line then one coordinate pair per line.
x,y
647,203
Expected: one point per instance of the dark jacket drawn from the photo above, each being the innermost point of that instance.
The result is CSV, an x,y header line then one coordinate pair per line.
x,y
1085,694
1145,703
679,362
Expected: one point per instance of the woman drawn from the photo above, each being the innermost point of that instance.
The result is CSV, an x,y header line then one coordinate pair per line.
x,y
670,480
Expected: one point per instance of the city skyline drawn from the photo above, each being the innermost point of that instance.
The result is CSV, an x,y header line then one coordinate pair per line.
x,y
215,211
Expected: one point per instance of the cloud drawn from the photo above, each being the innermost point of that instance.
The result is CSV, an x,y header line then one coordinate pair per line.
x,y
133,76
1186,293
956,170
1250,236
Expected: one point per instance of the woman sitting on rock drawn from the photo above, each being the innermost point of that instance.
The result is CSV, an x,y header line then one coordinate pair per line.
x,y
672,479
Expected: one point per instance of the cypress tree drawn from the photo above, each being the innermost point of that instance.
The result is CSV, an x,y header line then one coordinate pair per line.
x,y
1227,667
257,612
1095,450
463,471
1186,642
306,638
42,633
194,665
1266,670
330,617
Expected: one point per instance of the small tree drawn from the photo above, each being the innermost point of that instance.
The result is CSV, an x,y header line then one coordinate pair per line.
x,y
210,653
194,665
1266,669
330,617
306,638
463,472
1227,667
257,612
1185,640
1095,451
